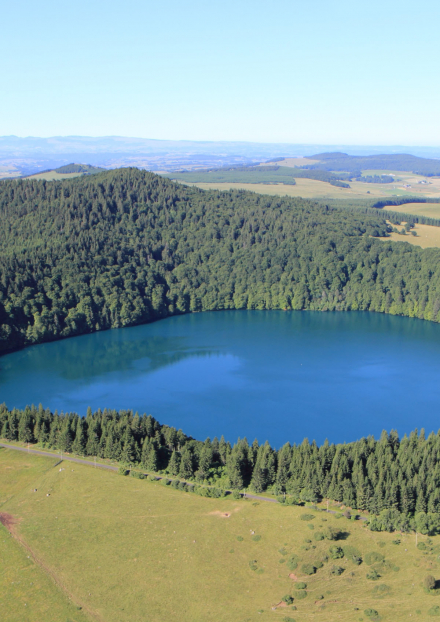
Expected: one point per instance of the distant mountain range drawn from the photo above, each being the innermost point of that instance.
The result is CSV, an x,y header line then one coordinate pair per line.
x,y
24,156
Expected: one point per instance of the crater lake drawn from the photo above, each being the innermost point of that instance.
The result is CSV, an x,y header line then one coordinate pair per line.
x,y
271,375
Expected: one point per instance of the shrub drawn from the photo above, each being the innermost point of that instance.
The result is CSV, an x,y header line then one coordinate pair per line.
x,y
318,565
373,575
287,599
137,474
183,486
152,478
347,514
282,561
318,536
319,597
217,493
203,492
422,546
253,564
396,541
336,570
175,484
282,551
311,526
236,494
308,569
300,595
336,552
429,582
353,554
301,585
307,541
165,482
307,517
332,534
256,538
373,557
122,471
240,538
190,487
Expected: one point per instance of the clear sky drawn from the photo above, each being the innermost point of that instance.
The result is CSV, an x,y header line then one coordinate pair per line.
x,y
326,71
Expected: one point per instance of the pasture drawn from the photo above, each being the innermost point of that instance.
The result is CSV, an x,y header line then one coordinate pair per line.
x,y
427,236
54,176
131,550
418,209
312,189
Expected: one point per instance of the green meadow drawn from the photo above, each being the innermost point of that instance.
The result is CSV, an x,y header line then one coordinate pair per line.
x,y
118,549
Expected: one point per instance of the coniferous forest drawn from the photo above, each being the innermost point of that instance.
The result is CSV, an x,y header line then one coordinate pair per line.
x,y
126,247
396,479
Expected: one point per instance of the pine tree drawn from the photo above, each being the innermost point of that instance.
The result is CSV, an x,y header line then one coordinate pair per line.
x,y
174,463
79,444
186,469
128,453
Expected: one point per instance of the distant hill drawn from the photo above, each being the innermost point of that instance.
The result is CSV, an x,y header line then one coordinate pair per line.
x,y
86,169
66,171
336,161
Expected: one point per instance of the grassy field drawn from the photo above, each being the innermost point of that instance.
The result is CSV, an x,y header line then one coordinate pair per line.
x,y
132,550
418,209
427,236
313,189
28,592
54,176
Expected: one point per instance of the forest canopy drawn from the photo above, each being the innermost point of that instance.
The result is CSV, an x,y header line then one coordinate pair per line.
x,y
126,247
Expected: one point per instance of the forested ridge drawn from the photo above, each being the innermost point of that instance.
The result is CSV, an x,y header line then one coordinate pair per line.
x,y
390,477
126,247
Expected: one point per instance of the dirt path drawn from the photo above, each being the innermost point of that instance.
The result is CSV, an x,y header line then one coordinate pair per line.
x,y
11,522
99,465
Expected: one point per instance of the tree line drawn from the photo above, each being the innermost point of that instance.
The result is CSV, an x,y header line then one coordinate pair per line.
x,y
127,247
391,477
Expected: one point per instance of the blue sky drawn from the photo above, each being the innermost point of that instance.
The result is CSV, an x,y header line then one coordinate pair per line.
x,y
287,71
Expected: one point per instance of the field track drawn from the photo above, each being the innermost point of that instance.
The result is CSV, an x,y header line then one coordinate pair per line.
x,y
9,522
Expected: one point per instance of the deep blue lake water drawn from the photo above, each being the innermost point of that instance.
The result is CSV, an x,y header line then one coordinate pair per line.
x,y
270,375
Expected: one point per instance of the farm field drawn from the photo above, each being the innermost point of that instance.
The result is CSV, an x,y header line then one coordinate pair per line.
x,y
54,176
427,236
313,189
418,209
129,550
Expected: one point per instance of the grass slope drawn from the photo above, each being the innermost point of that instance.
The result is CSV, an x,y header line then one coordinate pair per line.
x,y
27,592
134,550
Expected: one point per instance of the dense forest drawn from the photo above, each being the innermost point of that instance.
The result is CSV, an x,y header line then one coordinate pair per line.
x,y
386,162
127,247
390,477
